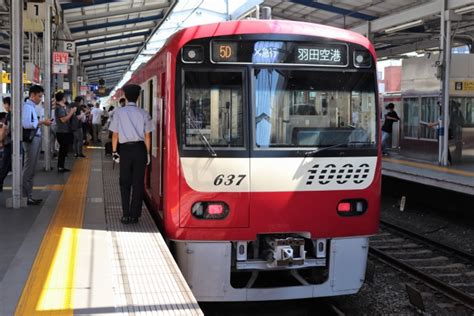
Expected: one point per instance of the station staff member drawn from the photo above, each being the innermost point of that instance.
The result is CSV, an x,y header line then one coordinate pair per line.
x,y
131,127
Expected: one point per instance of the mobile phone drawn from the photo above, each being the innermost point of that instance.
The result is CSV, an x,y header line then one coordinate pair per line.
x,y
1,125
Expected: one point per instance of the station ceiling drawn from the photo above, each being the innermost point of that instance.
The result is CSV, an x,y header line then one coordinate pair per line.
x,y
110,34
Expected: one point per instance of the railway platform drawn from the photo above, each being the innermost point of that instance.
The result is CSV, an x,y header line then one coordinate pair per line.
x,y
71,255
459,177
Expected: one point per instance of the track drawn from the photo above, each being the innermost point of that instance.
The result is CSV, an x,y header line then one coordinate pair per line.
x,y
443,268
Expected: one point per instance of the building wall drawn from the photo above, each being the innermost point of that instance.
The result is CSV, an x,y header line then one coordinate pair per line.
x,y
419,75
392,78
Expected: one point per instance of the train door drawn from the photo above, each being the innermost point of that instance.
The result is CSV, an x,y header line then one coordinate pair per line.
x,y
156,174
149,97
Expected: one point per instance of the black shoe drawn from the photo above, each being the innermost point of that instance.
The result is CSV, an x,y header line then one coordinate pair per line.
x,y
82,156
133,220
61,170
76,155
125,220
32,201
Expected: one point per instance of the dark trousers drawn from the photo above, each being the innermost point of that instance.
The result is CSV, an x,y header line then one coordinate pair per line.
x,y
133,158
5,164
64,140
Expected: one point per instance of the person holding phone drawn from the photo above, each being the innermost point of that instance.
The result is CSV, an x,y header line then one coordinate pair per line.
x,y
32,149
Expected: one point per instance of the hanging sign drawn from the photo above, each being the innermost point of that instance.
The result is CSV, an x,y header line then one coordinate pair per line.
x,y
60,62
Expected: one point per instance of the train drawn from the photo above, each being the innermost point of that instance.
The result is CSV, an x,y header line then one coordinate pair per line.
x,y
266,164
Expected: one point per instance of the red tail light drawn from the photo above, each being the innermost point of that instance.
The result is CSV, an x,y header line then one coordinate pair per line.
x,y
344,207
215,209
210,210
352,207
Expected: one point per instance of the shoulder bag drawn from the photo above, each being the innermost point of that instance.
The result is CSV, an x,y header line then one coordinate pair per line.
x,y
29,133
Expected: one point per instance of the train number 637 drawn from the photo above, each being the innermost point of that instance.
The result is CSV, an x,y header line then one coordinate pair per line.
x,y
231,179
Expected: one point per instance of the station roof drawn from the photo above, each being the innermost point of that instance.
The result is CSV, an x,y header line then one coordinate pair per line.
x,y
114,36
110,34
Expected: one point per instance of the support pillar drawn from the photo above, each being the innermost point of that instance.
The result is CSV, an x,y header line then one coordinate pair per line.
x,y
16,54
47,83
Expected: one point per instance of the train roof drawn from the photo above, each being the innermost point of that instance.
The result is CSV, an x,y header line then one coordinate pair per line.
x,y
241,27
267,26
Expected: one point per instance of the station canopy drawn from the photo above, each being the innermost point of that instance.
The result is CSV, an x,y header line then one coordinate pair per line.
x,y
114,37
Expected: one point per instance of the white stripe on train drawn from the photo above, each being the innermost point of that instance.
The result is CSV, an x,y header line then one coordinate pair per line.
x,y
278,174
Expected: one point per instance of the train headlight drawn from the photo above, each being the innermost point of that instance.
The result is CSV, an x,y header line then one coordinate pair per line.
x,y
210,210
353,207
362,59
192,54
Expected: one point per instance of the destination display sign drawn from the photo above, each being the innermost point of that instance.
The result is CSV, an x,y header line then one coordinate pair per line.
x,y
279,52
321,55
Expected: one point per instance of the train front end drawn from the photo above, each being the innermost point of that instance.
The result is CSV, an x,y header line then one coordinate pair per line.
x,y
279,170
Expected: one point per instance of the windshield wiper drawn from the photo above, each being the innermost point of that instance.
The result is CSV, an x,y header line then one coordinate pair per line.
x,y
203,138
317,150
208,145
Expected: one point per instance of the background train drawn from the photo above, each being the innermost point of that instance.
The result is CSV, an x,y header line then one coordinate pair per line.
x,y
266,168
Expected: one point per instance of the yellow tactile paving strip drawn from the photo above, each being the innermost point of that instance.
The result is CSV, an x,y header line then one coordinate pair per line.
x,y
429,166
49,289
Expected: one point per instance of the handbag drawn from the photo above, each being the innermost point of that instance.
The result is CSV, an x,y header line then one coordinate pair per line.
x,y
29,133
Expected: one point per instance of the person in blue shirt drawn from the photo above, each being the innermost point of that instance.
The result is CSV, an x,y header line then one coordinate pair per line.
x,y
131,127
32,149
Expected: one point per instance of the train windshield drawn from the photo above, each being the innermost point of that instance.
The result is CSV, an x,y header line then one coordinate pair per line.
x,y
213,109
308,108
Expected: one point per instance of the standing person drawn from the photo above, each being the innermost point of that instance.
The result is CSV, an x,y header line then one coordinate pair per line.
x,y
390,117
96,113
76,126
32,148
63,130
131,127
85,123
6,159
53,149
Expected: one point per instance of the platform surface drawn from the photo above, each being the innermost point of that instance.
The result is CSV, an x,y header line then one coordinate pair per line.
x,y
459,177
71,255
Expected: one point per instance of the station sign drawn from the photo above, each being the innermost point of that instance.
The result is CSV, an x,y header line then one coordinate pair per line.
x,y
69,46
36,10
60,62
465,85
6,78
32,72
83,90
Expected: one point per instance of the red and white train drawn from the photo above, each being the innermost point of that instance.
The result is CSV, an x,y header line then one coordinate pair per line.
x,y
266,168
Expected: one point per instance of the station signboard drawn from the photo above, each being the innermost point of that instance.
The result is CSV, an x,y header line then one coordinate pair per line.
x,y
6,78
60,62
462,87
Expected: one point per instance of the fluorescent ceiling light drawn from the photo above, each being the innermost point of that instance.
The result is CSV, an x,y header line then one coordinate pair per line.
x,y
404,26
469,8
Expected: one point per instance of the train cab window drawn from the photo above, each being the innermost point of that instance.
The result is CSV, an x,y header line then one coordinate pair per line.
x,y
213,109
299,108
